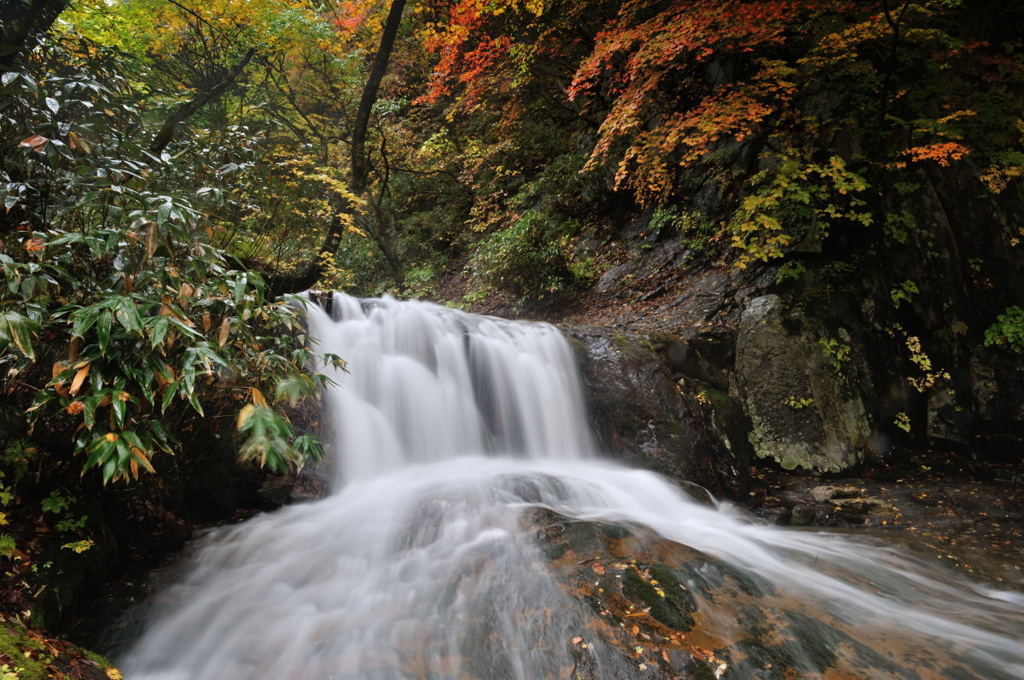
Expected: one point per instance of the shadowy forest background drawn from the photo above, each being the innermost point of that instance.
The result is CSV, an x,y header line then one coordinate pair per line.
x,y
170,170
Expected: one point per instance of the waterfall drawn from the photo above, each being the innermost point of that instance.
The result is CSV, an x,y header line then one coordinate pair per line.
x,y
454,433
428,384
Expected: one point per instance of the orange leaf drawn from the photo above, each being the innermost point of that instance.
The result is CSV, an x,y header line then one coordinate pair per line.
x,y
225,330
35,142
76,382
151,235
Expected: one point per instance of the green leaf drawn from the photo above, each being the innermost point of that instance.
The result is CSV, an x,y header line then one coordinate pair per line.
x,y
163,212
29,287
159,327
169,393
239,288
184,328
195,403
103,322
20,331
120,408
294,388
99,450
128,314
109,470
83,319
41,399
30,83
91,404
124,453
309,447
133,439
162,438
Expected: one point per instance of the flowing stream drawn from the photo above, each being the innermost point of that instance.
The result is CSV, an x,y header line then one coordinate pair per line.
x,y
452,433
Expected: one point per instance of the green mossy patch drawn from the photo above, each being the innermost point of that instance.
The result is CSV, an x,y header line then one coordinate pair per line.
x,y
27,654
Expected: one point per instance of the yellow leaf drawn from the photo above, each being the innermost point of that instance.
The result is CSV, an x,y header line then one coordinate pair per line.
x,y
244,415
77,143
185,294
257,398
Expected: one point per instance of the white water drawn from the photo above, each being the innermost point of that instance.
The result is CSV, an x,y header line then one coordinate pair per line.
x,y
420,566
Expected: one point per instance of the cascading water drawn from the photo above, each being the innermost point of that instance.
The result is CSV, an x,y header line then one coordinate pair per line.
x,y
455,434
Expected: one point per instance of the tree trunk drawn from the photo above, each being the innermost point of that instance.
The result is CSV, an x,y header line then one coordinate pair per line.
x,y
360,162
21,24
360,166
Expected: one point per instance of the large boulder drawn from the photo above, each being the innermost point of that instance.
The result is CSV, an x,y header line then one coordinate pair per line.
x,y
793,382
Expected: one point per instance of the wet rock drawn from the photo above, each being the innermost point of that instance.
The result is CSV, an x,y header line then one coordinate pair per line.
x,y
643,414
275,490
947,421
997,387
311,483
666,611
706,356
804,516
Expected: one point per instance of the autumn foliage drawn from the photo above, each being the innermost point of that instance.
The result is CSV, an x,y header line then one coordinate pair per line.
x,y
690,92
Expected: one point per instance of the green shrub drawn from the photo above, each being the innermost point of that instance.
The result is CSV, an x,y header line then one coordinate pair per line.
x,y
1008,331
120,321
530,258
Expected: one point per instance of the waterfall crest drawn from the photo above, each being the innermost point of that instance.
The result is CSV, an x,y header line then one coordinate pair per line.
x,y
450,430
427,383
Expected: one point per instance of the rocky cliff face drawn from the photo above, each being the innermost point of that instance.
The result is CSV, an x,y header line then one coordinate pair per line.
x,y
824,359
646,411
